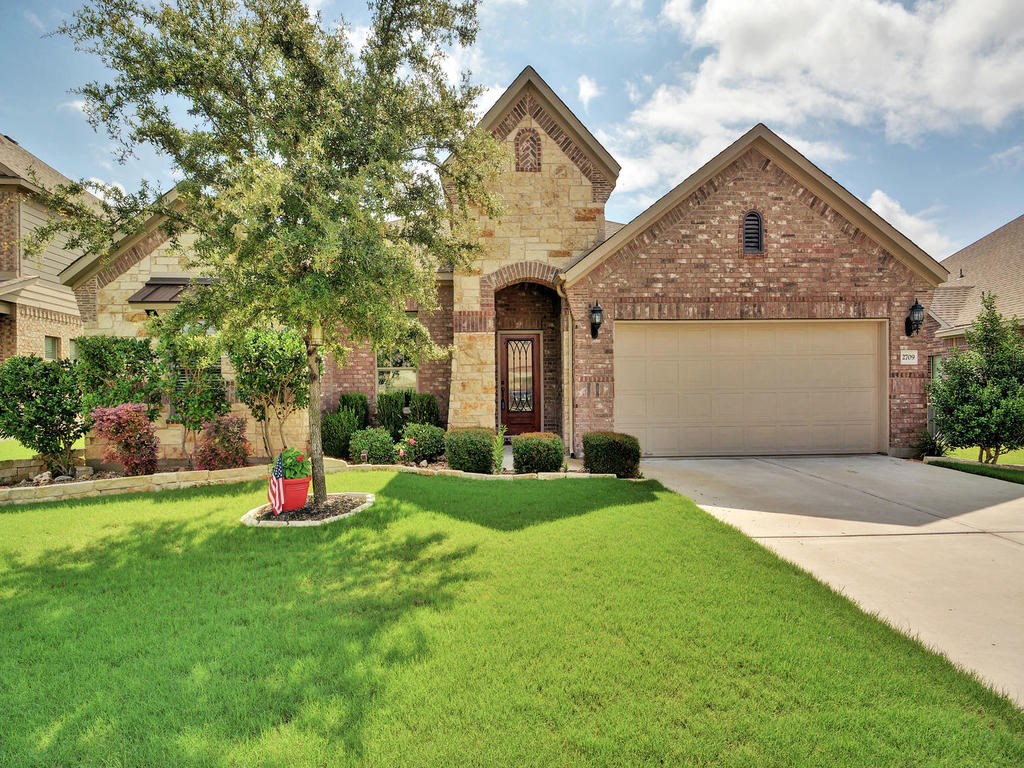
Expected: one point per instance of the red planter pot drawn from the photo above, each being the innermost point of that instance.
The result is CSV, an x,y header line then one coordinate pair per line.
x,y
295,493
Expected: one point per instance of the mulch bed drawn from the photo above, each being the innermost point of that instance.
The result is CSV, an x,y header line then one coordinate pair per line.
x,y
334,506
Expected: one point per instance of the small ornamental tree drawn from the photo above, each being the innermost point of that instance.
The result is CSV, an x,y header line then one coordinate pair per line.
x,y
118,369
130,435
41,408
192,378
979,395
271,377
223,444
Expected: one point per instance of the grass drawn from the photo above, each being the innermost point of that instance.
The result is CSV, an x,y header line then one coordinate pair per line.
x,y
1010,457
988,470
12,449
457,622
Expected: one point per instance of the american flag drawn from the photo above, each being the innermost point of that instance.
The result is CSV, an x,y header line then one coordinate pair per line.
x,y
276,493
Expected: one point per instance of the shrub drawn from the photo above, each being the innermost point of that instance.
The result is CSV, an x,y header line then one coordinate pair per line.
x,y
377,443
928,444
41,408
359,404
336,431
223,444
429,439
471,450
537,452
611,453
112,370
498,448
131,437
423,409
390,412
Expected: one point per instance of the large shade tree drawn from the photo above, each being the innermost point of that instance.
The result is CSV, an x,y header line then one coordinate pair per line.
x,y
324,185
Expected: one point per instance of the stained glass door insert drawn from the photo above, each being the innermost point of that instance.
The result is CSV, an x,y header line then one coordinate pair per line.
x,y
520,399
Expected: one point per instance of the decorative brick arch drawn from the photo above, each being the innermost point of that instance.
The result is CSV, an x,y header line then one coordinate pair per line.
x,y
527,144
520,272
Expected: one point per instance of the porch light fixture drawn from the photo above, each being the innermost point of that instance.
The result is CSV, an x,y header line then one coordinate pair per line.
x,y
914,319
596,318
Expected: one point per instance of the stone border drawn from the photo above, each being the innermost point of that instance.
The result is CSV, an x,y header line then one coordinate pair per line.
x,y
251,518
192,479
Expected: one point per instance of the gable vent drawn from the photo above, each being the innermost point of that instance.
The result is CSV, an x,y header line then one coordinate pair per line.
x,y
753,233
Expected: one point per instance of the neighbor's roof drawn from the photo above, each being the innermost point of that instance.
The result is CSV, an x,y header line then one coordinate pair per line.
x,y
761,138
993,264
18,165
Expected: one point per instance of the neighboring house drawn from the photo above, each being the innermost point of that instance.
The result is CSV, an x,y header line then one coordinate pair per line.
x,y
757,308
38,314
993,264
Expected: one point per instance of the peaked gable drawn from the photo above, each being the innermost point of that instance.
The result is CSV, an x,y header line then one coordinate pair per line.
x,y
530,96
826,191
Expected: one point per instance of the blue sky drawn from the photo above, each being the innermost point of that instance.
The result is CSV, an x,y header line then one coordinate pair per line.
x,y
916,108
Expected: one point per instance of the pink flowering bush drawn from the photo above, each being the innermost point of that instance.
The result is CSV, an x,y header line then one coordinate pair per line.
x,y
223,444
421,442
131,437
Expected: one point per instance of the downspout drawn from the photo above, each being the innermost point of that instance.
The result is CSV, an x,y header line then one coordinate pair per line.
x,y
570,428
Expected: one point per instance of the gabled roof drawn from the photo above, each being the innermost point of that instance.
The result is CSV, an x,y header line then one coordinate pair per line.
x,y
528,79
993,264
18,166
761,138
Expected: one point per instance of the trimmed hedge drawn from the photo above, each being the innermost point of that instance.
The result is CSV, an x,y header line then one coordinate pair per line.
x,y
470,450
611,453
391,412
376,441
537,452
336,431
429,441
423,409
359,404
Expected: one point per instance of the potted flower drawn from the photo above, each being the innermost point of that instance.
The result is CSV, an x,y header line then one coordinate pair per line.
x,y
289,481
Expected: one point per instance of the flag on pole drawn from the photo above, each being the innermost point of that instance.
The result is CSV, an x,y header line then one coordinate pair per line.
x,y
276,493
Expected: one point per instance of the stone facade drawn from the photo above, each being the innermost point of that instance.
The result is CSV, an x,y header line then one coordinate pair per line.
x,y
10,232
690,265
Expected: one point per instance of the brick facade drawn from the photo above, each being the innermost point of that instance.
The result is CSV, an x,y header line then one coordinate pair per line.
x,y
10,232
690,265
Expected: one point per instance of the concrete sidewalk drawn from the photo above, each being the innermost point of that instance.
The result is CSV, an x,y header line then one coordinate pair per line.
x,y
938,553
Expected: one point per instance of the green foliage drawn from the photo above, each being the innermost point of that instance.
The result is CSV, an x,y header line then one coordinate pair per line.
x,y
471,450
223,444
295,463
611,453
359,404
979,395
271,376
423,408
194,385
498,449
537,452
41,408
336,430
429,441
928,444
391,412
130,435
118,369
377,443
313,176
1009,474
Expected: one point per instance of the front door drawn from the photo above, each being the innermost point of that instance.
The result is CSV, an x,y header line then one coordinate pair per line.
x,y
521,382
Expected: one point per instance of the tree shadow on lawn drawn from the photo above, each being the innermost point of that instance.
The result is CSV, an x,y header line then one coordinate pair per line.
x,y
197,642
514,505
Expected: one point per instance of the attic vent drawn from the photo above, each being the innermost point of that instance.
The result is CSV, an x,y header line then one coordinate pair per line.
x,y
528,150
753,233
10,139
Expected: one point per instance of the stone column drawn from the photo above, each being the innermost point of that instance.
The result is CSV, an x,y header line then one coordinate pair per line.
x,y
473,399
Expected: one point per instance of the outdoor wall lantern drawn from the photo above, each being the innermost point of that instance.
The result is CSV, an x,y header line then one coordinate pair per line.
x,y
914,319
596,318
150,312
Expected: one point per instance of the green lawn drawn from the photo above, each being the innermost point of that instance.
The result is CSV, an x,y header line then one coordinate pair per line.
x,y
1012,457
988,470
12,449
456,623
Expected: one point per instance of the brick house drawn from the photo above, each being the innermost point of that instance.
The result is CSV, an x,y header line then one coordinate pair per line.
x,y
757,308
38,314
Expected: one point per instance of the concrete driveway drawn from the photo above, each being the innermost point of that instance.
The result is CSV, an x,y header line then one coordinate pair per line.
x,y
938,553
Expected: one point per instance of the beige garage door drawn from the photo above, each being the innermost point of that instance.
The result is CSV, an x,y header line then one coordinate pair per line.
x,y
751,388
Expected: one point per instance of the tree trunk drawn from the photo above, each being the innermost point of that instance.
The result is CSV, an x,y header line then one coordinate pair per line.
x,y
265,431
316,446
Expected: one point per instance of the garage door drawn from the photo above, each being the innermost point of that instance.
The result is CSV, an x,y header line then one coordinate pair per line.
x,y
751,388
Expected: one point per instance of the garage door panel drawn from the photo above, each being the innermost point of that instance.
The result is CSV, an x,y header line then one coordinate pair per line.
x,y
759,387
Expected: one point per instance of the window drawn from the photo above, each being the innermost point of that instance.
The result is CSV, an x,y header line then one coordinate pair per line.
x,y
753,233
51,347
394,371
528,150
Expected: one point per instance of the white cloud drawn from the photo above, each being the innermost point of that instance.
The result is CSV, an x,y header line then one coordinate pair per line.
x,y
933,67
35,21
920,227
588,89
100,188
75,105
1009,159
